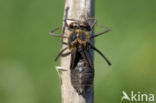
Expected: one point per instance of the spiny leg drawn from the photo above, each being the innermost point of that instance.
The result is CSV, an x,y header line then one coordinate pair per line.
x,y
93,24
98,34
100,54
64,43
56,35
59,70
65,54
65,21
60,53
72,20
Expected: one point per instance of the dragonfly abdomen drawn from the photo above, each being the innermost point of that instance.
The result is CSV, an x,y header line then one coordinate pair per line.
x,y
82,77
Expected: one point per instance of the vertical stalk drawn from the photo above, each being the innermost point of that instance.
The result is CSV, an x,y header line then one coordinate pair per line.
x,y
78,10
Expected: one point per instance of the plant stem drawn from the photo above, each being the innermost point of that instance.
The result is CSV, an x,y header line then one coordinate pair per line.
x,y
77,10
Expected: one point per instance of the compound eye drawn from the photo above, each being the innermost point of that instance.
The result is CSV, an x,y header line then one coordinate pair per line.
x,y
73,25
82,37
73,37
85,26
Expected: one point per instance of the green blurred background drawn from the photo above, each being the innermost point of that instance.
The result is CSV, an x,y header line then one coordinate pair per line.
x,y
27,69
